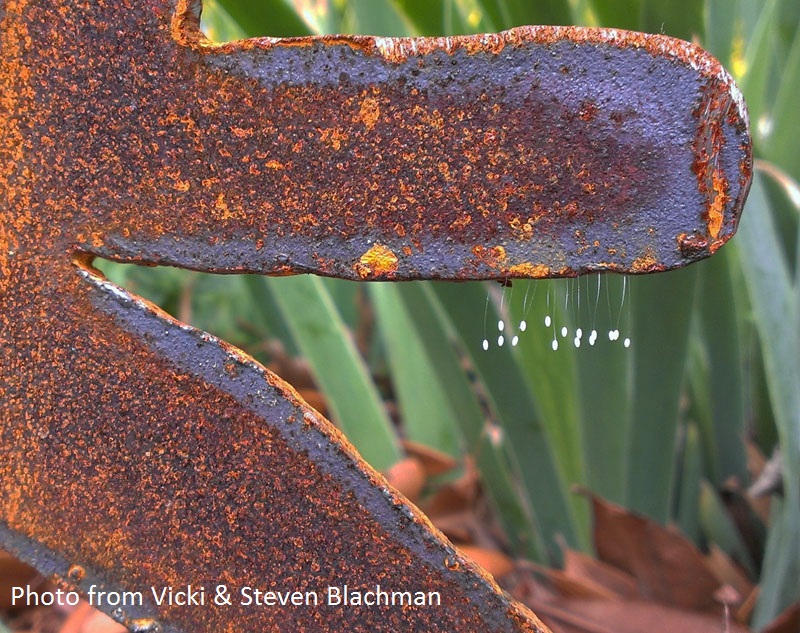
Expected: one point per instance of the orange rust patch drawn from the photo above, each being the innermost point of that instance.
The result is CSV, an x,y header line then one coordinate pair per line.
x,y
334,137
223,211
378,261
370,112
522,230
435,120
645,262
460,223
303,222
693,246
531,271
239,132
401,49
493,256
717,208
7,248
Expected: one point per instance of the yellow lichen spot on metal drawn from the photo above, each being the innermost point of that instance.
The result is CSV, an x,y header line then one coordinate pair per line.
x,y
378,261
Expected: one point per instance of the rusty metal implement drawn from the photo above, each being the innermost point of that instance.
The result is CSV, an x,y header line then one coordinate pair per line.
x,y
138,451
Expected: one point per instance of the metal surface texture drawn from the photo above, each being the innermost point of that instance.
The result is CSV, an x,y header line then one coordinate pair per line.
x,y
138,451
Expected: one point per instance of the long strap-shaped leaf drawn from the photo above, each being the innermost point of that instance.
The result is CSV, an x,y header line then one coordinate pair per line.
x,y
140,452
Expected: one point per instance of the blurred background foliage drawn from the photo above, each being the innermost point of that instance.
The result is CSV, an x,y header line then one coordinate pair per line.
x,y
666,427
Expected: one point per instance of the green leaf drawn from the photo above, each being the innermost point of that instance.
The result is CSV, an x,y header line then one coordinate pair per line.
x,y
445,353
777,320
757,62
550,376
621,14
269,315
439,17
375,17
781,146
721,35
276,18
509,397
720,529
605,383
661,310
321,336
789,19
507,13
426,410
722,335
678,19
689,488
218,25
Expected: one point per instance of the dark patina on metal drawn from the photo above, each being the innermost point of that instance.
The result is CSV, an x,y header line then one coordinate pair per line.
x,y
146,453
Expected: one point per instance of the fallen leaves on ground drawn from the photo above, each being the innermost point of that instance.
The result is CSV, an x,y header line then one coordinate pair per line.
x,y
646,577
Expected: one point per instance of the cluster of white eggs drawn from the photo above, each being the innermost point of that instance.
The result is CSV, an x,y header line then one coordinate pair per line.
x,y
507,335
577,339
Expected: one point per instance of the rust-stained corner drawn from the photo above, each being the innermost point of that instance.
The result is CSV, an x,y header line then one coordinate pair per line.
x,y
141,452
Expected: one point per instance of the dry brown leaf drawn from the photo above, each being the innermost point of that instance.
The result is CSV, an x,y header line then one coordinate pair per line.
x,y
668,568
756,460
493,561
770,480
631,616
727,572
569,586
457,496
745,611
37,620
786,622
86,619
295,371
435,462
564,620
408,476
315,398
13,573
580,565
458,526
446,501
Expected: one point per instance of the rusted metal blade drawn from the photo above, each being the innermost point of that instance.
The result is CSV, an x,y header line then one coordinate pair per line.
x,y
139,452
